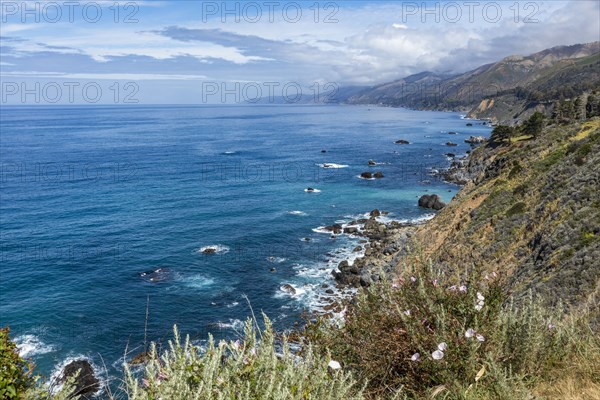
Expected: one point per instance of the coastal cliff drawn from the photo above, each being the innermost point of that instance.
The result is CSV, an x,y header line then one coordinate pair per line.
x,y
530,211
505,92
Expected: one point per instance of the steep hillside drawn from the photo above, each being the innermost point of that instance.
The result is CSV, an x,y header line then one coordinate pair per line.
x,y
397,93
500,91
531,212
568,79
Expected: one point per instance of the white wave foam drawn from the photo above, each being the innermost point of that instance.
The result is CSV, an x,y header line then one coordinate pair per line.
x,y
218,249
31,345
197,281
296,212
332,166
276,260
381,163
312,190
233,304
366,179
234,324
298,291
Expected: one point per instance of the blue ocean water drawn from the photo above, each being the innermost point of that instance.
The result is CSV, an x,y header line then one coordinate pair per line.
x,y
95,200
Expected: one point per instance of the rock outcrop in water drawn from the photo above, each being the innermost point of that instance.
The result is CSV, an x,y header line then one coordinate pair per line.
x,y
475,140
86,383
370,175
432,201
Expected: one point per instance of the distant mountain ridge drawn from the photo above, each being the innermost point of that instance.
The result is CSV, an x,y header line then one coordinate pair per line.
x,y
540,74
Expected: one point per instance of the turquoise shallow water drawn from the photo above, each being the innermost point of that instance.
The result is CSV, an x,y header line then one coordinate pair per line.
x,y
91,198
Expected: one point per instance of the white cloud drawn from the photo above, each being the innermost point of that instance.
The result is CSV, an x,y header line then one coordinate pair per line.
x,y
110,77
368,45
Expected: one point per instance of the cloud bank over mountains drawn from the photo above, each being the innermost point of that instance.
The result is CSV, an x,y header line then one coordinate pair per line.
x,y
350,43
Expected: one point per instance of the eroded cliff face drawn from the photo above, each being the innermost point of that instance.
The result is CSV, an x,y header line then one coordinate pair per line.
x,y
531,212
507,110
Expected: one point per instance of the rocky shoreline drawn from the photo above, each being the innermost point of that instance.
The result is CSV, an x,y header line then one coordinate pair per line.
x,y
385,244
382,245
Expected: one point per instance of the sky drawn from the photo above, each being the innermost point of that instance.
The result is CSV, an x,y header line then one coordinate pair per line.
x,y
180,52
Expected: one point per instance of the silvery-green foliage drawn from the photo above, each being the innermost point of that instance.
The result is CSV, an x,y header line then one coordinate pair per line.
x,y
254,368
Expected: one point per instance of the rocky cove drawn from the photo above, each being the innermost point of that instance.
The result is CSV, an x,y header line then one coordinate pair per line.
x,y
382,245
385,244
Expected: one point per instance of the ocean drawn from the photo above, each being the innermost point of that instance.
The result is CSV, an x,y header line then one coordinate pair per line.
x,y
106,212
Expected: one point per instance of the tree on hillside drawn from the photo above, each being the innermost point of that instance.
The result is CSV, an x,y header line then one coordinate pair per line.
x,y
502,133
592,107
534,125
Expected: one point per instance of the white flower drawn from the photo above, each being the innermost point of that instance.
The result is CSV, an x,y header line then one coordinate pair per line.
x,y
469,333
407,312
253,351
494,274
415,357
334,365
452,288
442,346
551,326
480,338
479,305
437,355
480,296
413,279
462,288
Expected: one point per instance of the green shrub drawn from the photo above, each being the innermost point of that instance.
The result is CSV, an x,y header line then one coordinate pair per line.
x,y
252,369
588,238
521,345
390,337
15,373
516,170
518,208
521,190
552,159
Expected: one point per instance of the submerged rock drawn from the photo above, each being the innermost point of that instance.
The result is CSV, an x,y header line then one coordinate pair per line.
x,y
451,144
288,288
155,276
371,162
402,141
432,201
